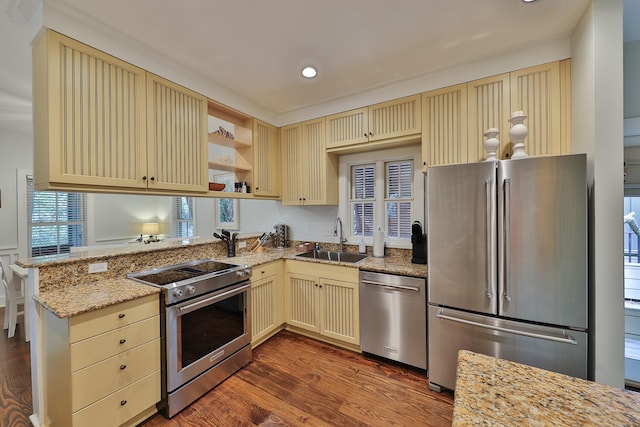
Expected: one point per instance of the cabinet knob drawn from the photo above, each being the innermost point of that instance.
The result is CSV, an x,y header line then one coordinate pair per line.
x,y
153,178
370,134
364,134
121,315
123,402
257,188
144,178
123,367
122,341
316,285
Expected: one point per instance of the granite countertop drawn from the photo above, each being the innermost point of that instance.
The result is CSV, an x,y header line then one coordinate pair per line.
x,y
492,391
74,300
86,292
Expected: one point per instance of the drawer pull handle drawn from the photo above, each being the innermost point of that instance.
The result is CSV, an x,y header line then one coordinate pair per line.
x,y
121,315
123,402
122,341
123,367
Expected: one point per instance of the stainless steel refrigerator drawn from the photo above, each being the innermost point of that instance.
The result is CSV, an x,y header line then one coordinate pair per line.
x,y
507,260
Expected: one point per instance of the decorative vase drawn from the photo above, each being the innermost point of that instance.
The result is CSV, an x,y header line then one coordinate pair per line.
x,y
518,133
491,144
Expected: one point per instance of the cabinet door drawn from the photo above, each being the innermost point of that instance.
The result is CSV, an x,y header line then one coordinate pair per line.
x,y
177,132
266,159
303,302
264,308
314,177
393,119
348,128
536,91
444,126
292,168
340,314
489,107
89,116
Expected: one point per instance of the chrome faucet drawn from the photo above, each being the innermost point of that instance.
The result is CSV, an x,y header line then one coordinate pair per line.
x,y
337,228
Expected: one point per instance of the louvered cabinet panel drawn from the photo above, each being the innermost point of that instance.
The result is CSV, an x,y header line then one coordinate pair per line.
x,y
394,119
536,91
348,128
488,106
177,132
315,185
264,308
340,310
89,116
302,302
291,145
444,126
266,159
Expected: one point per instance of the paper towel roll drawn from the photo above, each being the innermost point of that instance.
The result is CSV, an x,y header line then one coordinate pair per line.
x,y
378,243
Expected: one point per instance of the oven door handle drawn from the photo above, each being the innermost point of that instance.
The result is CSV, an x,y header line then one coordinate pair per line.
x,y
207,301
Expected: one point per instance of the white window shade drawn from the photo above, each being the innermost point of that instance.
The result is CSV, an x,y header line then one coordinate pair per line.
x,y
399,199
363,180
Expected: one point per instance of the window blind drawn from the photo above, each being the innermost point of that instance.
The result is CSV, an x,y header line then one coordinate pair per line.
x,y
363,180
183,216
399,199
57,220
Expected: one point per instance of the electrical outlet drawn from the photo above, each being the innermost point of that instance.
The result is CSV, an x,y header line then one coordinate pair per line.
x,y
98,267
307,229
242,245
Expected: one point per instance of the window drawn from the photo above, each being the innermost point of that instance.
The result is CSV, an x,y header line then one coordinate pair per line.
x,y
183,216
382,190
57,220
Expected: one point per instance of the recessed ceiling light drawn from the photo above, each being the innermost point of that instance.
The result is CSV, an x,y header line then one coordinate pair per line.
x,y
528,1
309,72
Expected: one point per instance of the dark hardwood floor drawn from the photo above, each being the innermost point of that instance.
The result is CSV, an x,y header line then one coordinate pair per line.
x,y
292,381
15,378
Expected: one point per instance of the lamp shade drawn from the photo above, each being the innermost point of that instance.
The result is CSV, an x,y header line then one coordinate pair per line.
x,y
150,228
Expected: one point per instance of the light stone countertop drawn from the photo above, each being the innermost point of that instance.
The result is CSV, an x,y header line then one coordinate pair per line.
x,y
492,392
67,290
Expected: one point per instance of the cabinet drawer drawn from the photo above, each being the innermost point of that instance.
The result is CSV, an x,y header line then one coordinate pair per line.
x,y
103,346
264,270
121,406
112,317
98,380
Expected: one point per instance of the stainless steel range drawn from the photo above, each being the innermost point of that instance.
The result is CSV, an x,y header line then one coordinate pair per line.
x,y
205,325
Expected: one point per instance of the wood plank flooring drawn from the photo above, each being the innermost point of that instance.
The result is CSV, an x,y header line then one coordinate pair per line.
x,y
15,378
294,380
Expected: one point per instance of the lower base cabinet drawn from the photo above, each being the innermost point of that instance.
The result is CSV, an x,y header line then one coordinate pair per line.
x,y
267,302
103,367
323,299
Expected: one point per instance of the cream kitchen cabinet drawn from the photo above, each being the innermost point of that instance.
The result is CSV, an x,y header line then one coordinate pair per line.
x,y
391,122
323,300
267,302
309,174
266,159
103,367
455,118
102,124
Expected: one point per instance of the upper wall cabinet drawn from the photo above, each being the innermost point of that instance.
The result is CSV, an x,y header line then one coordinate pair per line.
x,y
542,92
309,174
389,122
266,159
105,125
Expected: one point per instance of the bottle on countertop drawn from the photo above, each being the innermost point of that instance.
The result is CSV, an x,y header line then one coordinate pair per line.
x,y
362,248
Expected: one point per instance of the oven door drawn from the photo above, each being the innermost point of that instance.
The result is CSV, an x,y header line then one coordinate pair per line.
x,y
204,331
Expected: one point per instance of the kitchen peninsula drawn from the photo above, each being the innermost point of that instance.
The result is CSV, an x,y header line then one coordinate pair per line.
x,y
492,391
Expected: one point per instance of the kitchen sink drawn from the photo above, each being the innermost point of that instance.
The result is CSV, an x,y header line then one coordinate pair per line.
x,y
333,256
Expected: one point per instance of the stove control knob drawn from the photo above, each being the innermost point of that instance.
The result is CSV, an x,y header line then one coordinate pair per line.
x,y
240,274
247,271
191,289
178,293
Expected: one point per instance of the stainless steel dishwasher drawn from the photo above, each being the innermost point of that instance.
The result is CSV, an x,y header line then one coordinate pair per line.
x,y
393,317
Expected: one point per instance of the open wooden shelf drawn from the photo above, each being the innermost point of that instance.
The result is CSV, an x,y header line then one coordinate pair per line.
x,y
228,142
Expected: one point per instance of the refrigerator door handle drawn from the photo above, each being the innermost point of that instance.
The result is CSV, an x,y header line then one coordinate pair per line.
x,y
567,339
507,238
489,233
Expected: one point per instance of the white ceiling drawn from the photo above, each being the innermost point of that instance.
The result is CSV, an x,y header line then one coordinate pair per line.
x,y
256,48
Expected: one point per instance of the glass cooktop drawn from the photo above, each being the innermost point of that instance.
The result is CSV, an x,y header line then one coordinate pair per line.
x,y
177,273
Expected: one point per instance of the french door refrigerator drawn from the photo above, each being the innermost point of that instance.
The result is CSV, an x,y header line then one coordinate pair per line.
x,y
507,259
